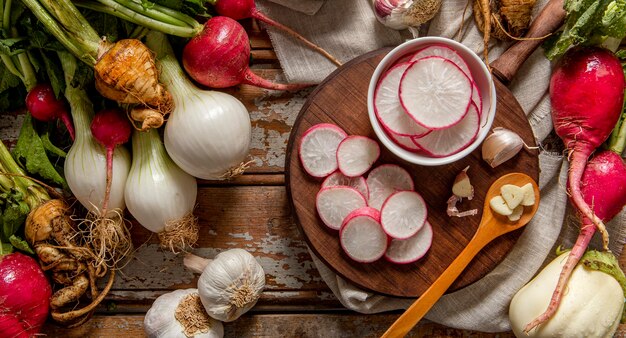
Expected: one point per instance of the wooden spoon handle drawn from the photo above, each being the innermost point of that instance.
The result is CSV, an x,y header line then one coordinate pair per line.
x,y
548,21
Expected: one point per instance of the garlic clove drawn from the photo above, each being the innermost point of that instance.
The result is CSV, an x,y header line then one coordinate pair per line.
x,y
529,195
498,205
500,146
462,187
512,195
391,12
516,214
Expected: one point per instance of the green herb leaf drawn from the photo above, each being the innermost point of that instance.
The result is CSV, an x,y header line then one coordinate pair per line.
x,y
8,80
13,46
5,248
20,244
14,215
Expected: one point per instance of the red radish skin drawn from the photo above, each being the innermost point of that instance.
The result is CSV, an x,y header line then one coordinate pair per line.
x,y
338,179
364,223
44,106
586,92
356,154
318,149
245,9
603,185
412,249
111,128
218,57
24,296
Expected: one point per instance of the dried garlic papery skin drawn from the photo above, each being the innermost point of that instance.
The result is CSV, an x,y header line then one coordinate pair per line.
x,y
180,314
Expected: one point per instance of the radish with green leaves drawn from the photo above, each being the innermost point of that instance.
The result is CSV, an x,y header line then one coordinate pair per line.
x,y
45,106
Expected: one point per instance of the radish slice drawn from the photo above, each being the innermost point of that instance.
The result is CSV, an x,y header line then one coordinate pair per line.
x,y
384,180
361,237
318,149
356,154
338,179
450,141
387,105
446,53
335,203
403,214
405,142
404,251
477,98
435,92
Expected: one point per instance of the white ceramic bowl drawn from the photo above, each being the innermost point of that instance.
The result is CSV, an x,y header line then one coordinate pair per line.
x,y
483,81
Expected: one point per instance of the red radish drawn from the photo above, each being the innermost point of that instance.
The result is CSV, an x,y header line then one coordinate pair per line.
x,y
361,236
406,142
111,128
445,142
435,92
333,204
245,9
387,105
586,92
24,296
318,149
218,57
603,185
338,179
45,106
403,214
444,52
384,180
356,154
404,251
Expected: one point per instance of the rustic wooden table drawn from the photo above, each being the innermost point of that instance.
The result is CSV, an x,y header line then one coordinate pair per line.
x,y
249,212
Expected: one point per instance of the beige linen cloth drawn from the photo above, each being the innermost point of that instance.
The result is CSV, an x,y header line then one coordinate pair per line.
x,y
348,28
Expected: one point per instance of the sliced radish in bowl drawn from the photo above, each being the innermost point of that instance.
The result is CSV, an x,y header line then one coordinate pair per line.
x,y
361,236
338,179
403,214
333,204
444,52
435,92
406,142
318,149
404,251
356,154
384,180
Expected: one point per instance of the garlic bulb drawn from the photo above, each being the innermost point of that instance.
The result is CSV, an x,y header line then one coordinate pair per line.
x,y
501,146
180,314
230,284
402,14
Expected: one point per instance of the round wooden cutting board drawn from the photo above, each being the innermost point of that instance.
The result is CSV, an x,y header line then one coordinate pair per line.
x,y
342,99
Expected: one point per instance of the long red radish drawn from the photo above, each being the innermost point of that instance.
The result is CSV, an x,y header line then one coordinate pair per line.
x,y
361,236
44,106
404,251
318,149
356,154
384,180
245,9
435,92
333,204
218,57
403,214
586,92
603,185
338,179
111,128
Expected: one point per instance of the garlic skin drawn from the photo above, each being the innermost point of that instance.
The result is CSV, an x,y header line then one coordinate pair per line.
x,y
501,146
403,14
160,320
231,284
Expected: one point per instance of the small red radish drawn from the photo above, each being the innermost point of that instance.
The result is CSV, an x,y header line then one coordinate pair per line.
x,y
111,128
403,214
318,149
384,180
333,204
435,92
387,106
356,154
24,296
218,57
404,251
586,92
445,142
338,179
245,9
444,52
44,106
361,236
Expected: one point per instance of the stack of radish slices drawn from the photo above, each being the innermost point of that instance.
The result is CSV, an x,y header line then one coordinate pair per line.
x,y
428,102
378,214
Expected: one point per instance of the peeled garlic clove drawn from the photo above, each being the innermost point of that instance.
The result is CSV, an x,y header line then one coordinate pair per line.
x,y
391,12
529,195
516,214
500,146
498,205
512,195
462,187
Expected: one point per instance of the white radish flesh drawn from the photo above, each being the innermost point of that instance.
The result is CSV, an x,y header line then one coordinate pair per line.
x,y
387,105
444,52
403,214
356,154
384,180
435,92
338,179
445,142
335,203
361,237
406,142
318,149
404,251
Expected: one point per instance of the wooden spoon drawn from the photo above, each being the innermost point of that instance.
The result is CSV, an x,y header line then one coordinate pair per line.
x,y
491,226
